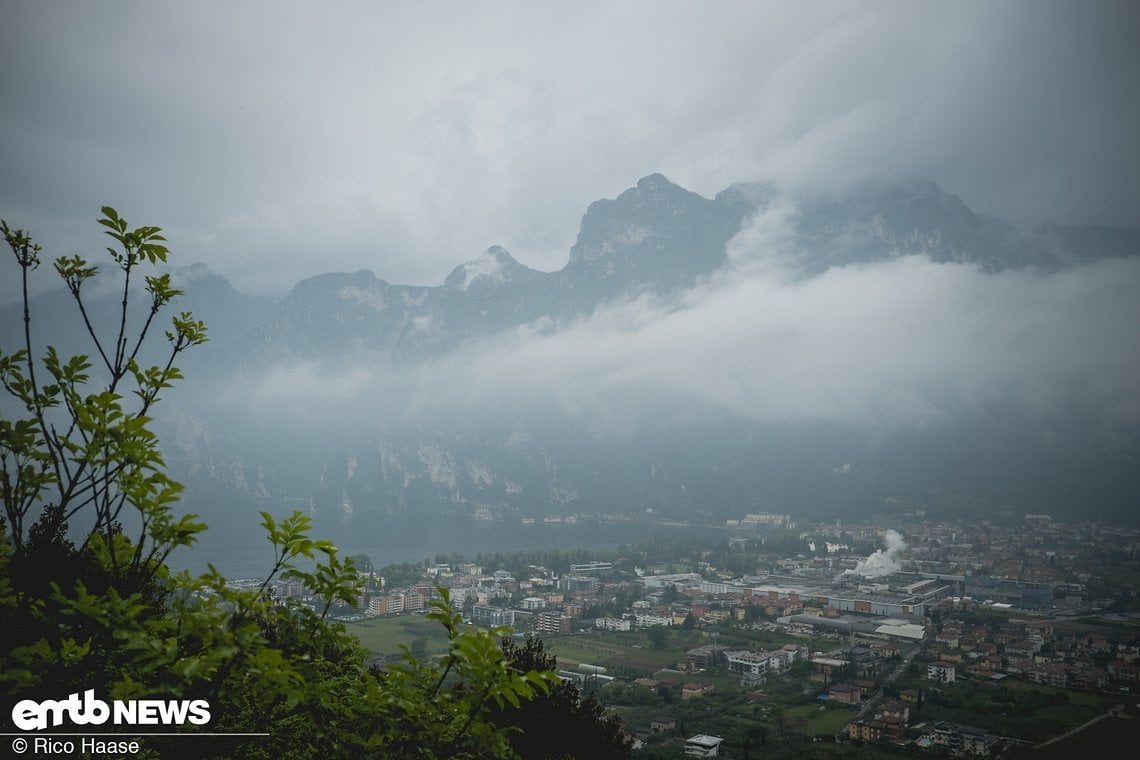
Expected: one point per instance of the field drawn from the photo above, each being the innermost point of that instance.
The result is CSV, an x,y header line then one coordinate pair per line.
x,y
814,720
383,636
627,655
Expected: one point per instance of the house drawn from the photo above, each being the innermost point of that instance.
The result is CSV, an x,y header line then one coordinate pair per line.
x,y
895,708
845,693
874,730
1024,648
691,690
828,665
660,723
940,671
889,727
949,638
703,745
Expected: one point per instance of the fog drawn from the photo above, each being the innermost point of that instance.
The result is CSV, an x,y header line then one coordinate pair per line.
x,y
278,140
895,344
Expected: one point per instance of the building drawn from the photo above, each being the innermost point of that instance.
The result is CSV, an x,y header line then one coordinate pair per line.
x,y
492,617
960,741
552,622
612,624
895,708
746,662
703,745
647,620
591,567
940,671
693,690
845,694
706,656
1024,594
874,730
579,584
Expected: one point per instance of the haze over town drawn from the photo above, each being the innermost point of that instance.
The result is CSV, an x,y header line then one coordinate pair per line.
x,y
776,365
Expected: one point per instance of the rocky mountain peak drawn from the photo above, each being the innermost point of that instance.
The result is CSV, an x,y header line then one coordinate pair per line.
x,y
656,232
494,266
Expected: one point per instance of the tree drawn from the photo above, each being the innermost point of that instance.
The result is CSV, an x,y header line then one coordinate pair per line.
x,y
658,635
93,452
106,614
559,724
363,563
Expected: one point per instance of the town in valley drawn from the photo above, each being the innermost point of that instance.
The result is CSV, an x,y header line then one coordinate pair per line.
x,y
959,637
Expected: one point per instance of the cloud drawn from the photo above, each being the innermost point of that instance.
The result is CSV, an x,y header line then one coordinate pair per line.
x,y
275,141
306,391
895,344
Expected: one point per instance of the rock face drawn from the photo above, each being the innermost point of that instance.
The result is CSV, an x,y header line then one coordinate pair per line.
x,y
656,237
341,438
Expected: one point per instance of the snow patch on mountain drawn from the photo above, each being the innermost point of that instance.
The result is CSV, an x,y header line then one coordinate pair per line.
x,y
491,267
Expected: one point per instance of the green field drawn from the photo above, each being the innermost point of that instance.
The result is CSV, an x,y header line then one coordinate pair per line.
x,y
627,655
383,636
812,720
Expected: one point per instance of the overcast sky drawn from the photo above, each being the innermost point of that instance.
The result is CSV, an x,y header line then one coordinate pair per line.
x,y
278,140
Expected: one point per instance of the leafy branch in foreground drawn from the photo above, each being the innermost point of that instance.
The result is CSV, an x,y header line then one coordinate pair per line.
x,y
109,616
91,451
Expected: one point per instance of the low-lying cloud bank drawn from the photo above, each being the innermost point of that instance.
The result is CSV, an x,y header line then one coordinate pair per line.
x,y
899,343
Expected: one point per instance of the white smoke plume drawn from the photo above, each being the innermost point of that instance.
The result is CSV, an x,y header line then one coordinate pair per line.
x,y
883,561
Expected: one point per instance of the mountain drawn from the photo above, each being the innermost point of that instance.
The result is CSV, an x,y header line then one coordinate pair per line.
x,y
338,397
657,238
656,235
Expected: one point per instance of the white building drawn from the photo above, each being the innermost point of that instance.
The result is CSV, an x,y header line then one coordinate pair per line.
x,y
703,745
644,621
754,663
612,624
492,617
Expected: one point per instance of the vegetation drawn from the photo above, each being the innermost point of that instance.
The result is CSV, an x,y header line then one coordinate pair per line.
x,y
80,464
559,723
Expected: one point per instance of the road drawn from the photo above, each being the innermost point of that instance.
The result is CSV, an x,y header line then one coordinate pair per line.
x,y
904,663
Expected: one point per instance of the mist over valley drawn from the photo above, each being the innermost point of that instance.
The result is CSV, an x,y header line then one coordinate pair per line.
x,y
877,350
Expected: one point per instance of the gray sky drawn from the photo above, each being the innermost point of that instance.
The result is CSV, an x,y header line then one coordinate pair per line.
x,y
277,140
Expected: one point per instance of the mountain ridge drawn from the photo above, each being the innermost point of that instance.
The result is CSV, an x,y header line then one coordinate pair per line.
x,y
333,370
